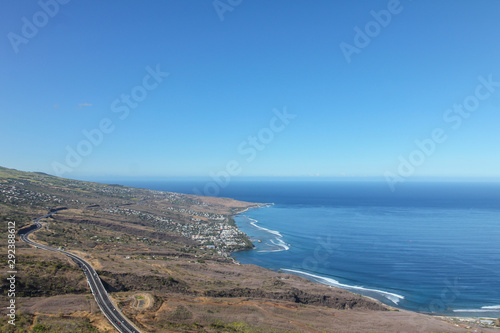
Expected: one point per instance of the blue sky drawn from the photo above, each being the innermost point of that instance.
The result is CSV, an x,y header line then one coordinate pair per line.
x,y
228,79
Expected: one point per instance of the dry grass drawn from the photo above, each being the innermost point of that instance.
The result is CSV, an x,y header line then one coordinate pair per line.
x,y
164,282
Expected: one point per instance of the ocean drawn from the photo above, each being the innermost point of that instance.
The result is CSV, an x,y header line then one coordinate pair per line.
x,y
427,247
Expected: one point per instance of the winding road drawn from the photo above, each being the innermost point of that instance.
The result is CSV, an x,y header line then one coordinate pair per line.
x,y
114,315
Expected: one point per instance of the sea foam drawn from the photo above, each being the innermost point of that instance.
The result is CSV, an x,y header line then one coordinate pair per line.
x,y
277,241
491,308
395,298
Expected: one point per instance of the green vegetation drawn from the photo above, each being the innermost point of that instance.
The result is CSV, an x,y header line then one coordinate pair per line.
x,y
23,322
242,327
39,278
47,324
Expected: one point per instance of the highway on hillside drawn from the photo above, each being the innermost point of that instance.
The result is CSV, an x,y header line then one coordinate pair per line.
x,y
115,317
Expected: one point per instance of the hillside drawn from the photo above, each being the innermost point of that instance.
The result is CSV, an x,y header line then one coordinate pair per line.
x,y
165,260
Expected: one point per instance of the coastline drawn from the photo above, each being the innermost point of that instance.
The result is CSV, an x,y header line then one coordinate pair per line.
x,y
176,273
481,321
274,232
232,216
254,206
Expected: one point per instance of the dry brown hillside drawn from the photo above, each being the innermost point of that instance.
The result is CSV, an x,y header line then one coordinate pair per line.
x,y
162,259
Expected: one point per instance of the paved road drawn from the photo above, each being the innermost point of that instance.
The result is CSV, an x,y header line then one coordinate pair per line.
x,y
115,317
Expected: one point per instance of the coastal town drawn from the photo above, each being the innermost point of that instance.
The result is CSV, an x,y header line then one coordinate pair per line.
x,y
206,226
169,248
211,231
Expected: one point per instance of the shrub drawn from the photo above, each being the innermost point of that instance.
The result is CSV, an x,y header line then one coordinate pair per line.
x,y
180,313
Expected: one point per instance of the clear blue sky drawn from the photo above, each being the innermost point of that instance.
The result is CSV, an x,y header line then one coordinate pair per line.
x,y
227,76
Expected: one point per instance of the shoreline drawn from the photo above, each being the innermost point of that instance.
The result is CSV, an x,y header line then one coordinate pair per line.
x,y
254,205
448,318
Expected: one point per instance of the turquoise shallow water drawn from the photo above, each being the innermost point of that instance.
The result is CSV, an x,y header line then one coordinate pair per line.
x,y
428,247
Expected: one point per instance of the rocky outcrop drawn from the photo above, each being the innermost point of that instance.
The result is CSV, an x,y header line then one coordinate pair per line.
x,y
114,282
340,301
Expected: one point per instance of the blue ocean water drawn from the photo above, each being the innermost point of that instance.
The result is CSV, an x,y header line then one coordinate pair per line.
x,y
427,247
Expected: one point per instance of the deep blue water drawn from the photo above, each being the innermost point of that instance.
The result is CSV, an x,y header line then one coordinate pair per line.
x,y
428,247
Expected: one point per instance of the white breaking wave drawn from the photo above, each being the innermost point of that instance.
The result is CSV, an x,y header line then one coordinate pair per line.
x,y
278,241
281,244
493,308
395,298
